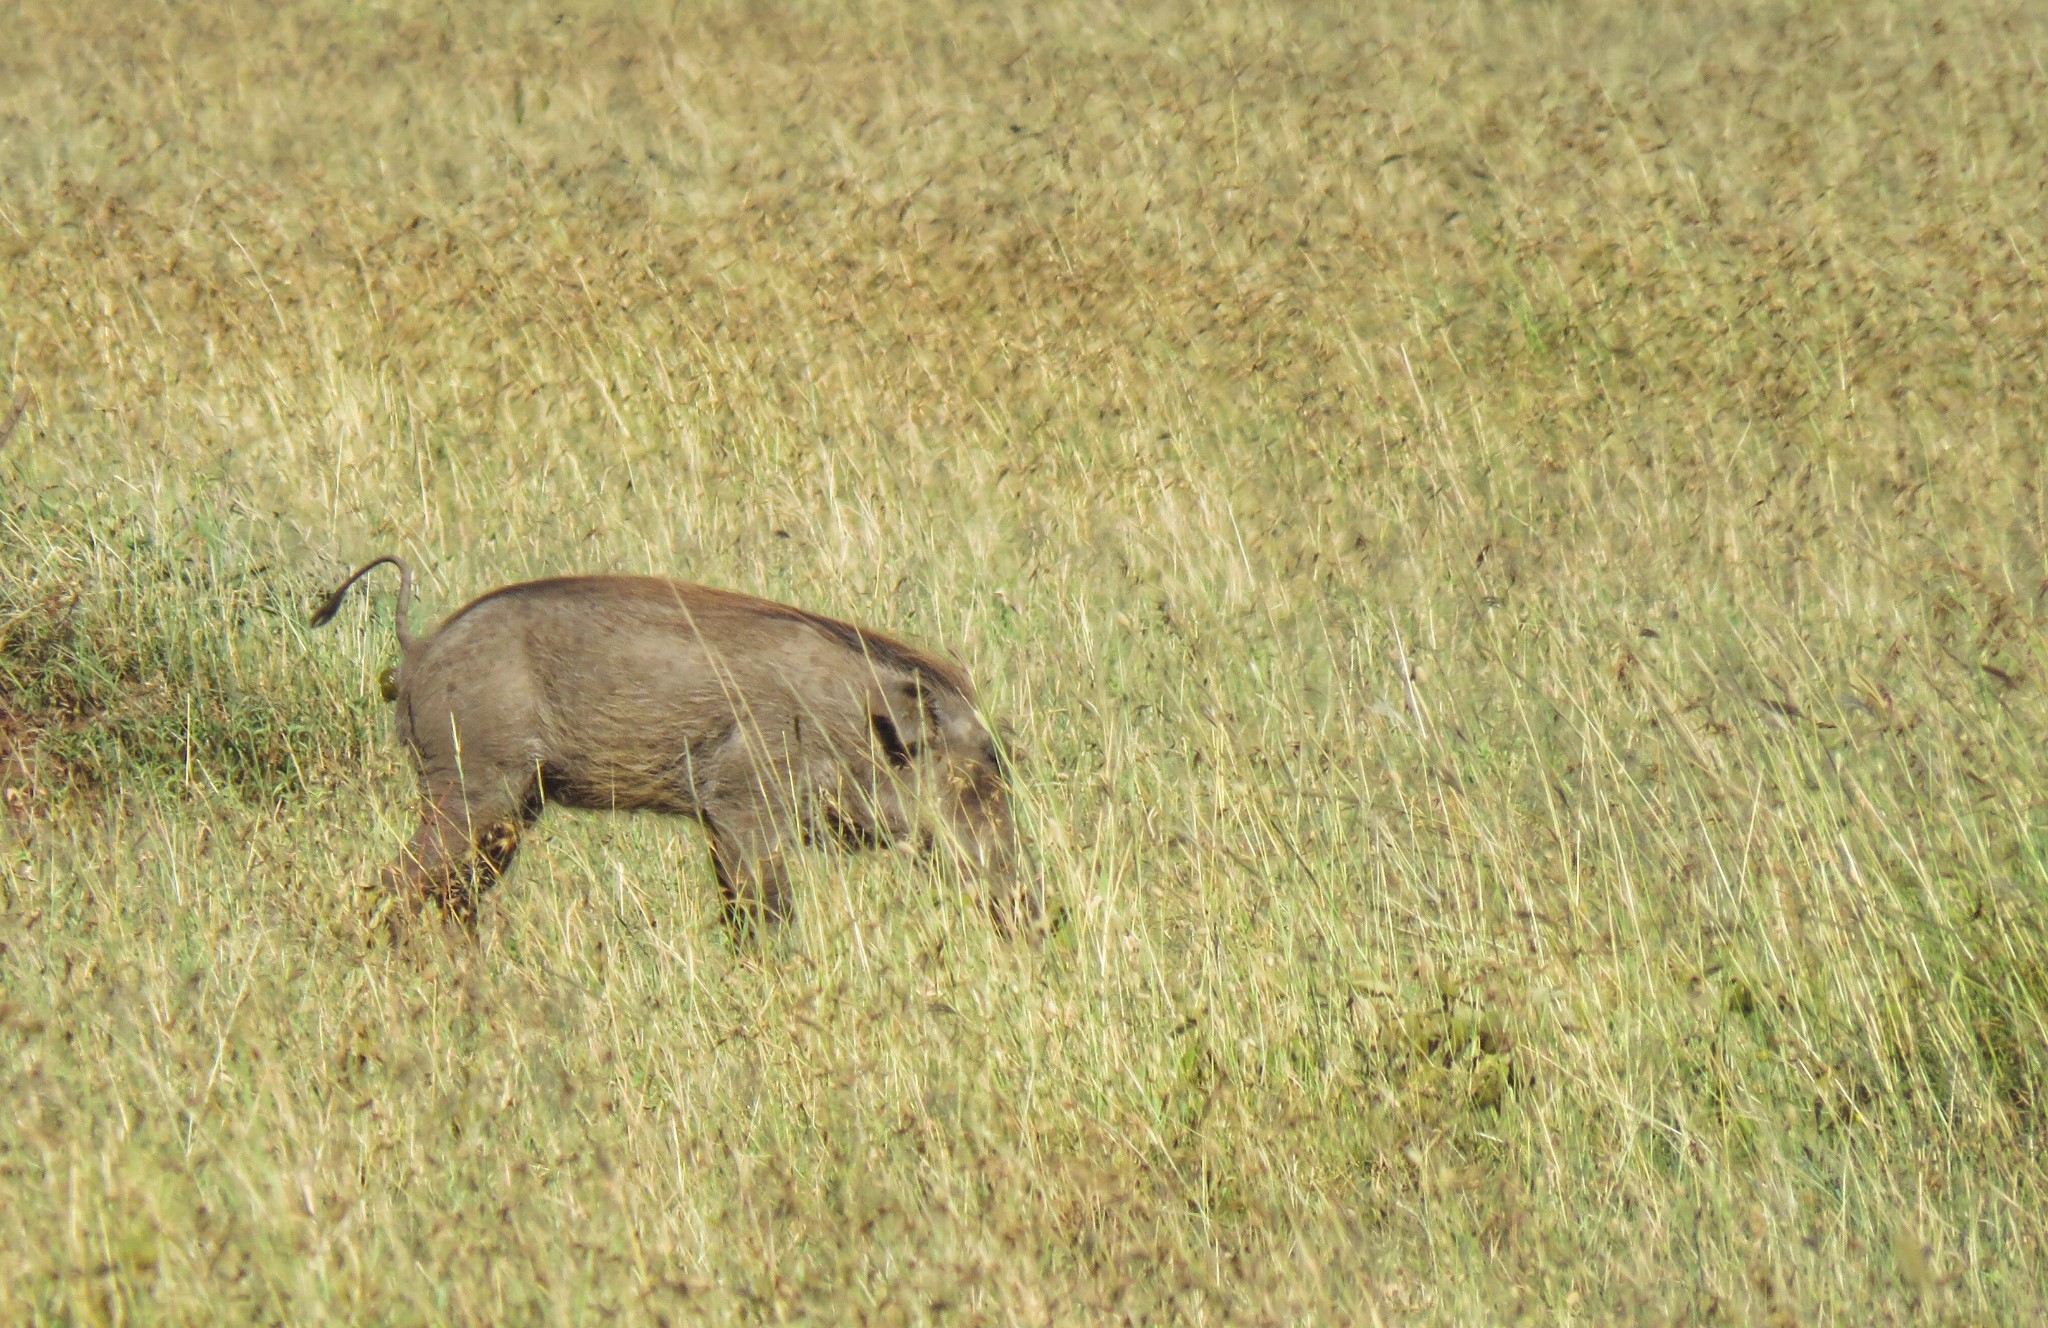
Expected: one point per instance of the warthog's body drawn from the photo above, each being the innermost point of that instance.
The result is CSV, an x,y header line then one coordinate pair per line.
x,y
768,724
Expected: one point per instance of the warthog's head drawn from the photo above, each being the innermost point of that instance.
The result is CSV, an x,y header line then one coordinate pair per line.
x,y
943,779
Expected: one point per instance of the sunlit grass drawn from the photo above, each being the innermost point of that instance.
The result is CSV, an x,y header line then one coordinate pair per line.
x,y
1511,542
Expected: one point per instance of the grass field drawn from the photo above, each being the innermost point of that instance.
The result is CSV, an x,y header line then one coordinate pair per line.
x,y
1511,538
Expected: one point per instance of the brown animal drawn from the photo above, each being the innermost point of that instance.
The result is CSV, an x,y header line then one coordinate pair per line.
x,y
770,725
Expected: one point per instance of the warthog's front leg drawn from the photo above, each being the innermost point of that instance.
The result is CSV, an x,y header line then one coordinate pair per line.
x,y
747,853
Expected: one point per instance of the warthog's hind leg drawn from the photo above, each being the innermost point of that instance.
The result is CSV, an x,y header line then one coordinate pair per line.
x,y
459,851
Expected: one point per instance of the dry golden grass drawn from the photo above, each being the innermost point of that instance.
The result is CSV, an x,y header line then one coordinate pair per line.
x,y
1512,537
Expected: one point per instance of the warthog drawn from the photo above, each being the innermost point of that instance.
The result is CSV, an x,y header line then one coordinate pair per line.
x,y
770,725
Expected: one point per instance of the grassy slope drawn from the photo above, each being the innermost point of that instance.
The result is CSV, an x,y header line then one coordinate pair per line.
x,y
1663,397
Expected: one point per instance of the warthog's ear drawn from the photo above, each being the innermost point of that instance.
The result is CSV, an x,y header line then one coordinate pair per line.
x,y
893,747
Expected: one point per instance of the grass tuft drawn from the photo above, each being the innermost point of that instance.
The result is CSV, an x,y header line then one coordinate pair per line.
x,y
132,662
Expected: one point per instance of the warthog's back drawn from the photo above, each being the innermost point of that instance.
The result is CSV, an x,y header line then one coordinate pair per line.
x,y
613,603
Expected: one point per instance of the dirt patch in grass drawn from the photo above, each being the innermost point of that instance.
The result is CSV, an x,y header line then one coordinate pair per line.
x,y
20,784
31,714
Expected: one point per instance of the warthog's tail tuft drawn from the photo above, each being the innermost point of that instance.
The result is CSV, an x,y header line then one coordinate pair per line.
x,y
329,606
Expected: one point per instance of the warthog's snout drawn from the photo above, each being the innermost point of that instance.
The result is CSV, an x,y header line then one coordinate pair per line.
x,y
770,725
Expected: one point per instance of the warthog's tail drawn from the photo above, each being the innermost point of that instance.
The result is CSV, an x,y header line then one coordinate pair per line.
x,y
327,608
